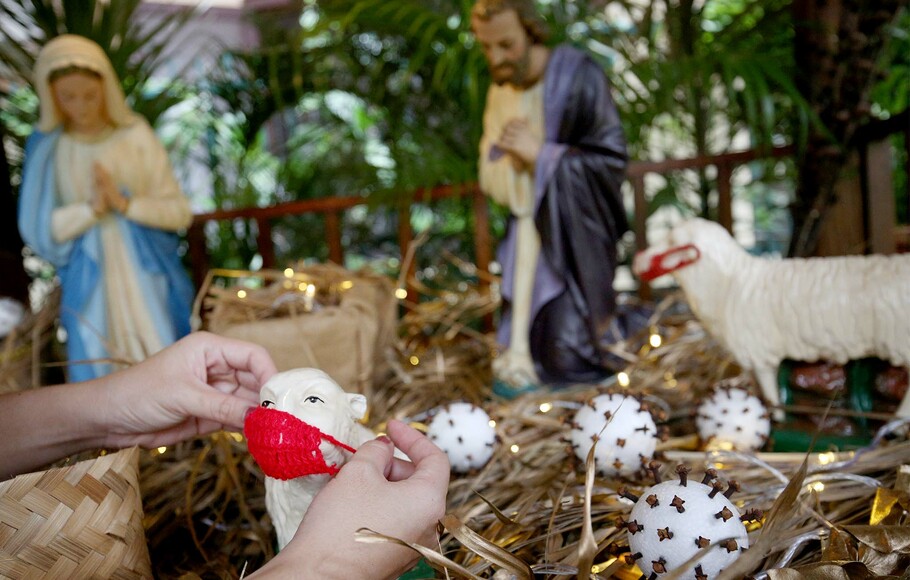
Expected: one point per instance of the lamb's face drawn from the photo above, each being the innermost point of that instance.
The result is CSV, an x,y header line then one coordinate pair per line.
x,y
718,251
677,253
313,397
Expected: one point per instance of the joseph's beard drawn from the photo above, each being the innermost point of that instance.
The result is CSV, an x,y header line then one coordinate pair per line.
x,y
518,76
519,71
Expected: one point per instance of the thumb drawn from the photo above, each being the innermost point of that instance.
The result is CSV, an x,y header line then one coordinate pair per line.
x,y
228,410
376,453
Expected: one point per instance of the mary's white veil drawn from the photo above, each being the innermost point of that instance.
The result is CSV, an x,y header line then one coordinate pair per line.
x,y
71,50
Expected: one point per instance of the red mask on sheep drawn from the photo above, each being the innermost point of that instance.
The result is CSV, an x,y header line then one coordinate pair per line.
x,y
664,262
286,447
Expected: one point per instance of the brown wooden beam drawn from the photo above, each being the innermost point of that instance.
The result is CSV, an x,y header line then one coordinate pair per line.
x,y
333,237
640,210
265,243
725,195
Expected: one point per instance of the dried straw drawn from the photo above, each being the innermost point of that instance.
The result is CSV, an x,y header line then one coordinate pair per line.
x,y
535,505
269,294
22,348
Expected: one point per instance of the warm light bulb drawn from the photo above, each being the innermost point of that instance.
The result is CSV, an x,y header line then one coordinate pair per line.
x,y
492,423
514,448
414,360
241,294
546,407
289,273
623,379
817,486
401,293
161,450
346,285
654,341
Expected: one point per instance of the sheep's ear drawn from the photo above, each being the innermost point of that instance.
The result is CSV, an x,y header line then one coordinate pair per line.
x,y
358,405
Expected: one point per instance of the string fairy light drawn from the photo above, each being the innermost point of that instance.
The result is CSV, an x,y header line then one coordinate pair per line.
x,y
655,340
623,379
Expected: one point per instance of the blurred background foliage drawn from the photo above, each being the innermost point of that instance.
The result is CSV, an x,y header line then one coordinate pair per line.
x,y
377,98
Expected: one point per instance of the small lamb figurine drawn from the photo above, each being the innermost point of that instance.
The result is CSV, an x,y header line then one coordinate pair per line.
x,y
305,429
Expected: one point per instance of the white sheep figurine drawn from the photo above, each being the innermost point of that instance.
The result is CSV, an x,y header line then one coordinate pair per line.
x,y
317,400
767,310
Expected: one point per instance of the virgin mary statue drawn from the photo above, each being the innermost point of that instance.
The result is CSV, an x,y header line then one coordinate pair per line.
x,y
100,202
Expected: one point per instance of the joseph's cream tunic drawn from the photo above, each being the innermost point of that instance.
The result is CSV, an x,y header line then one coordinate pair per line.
x,y
137,163
499,179
514,188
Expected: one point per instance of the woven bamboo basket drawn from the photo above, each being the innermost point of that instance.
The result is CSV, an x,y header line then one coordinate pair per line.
x,y
79,521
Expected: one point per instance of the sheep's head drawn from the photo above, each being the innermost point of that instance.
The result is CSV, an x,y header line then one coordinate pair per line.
x,y
302,425
313,397
694,247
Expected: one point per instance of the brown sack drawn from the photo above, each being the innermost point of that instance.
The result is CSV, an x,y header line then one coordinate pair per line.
x,y
344,329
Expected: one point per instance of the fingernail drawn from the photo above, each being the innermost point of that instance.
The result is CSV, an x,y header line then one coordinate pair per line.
x,y
384,439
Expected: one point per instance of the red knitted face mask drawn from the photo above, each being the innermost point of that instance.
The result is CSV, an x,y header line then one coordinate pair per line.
x,y
664,262
286,447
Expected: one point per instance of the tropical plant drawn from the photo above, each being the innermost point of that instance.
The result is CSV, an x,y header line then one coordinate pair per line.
x,y
686,83
840,62
690,77
135,48
342,122
890,98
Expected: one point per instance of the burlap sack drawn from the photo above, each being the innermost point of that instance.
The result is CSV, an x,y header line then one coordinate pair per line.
x,y
348,340
79,521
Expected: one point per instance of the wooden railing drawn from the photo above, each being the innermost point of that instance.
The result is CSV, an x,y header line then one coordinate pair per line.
x,y
332,209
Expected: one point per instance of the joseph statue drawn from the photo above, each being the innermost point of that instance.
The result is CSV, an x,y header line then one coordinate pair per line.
x,y
553,152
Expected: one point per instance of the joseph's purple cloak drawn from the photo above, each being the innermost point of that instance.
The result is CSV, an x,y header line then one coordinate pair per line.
x,y
580,217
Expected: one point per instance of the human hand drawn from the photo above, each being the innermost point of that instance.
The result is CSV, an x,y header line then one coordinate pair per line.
x,y
373,490
198,385
107,190
520,143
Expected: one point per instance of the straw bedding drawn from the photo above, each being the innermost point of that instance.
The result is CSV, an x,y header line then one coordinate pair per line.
x,y
535,510
525,512
22,349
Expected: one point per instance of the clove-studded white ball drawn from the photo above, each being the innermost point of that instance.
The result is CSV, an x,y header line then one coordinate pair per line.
x,y
625,433
464,431
731,418
672,521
